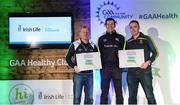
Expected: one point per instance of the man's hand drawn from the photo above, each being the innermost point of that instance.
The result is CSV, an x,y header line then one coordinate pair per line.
x,y
76,69
145,65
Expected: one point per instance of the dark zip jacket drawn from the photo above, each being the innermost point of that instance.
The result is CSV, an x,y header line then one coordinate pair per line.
x,y
146,43
76,48
109,44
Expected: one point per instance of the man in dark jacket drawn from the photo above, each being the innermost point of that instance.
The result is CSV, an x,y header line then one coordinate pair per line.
x,y
109,44
81,78
141,74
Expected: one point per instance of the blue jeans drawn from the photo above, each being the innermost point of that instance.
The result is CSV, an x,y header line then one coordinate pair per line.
x,y
136,76
80,80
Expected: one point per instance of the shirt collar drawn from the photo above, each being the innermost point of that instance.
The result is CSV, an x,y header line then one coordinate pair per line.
x,y
114,32
140,35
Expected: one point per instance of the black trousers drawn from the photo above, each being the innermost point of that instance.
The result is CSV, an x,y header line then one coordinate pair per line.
x,y
144,77
106,75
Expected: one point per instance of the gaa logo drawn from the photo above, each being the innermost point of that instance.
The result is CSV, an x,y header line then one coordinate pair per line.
x,y
21,94
107,10
111,10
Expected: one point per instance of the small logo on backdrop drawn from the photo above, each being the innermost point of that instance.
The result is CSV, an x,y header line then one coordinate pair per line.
x,y
21,94
51,96
110,9
19,28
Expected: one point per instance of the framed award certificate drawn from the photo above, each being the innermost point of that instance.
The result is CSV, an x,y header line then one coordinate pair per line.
x,y
131,58
88,61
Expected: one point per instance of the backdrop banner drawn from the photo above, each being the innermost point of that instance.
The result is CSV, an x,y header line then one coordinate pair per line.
x,y
159,19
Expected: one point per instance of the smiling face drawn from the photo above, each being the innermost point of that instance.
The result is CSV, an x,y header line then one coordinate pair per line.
x,y
110,26
84,33
134,28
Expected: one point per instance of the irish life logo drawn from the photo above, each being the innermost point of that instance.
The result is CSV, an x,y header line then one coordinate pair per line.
x,y
21,94
111,10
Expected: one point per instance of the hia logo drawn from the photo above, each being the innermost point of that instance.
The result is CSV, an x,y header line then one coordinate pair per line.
x,y
21,94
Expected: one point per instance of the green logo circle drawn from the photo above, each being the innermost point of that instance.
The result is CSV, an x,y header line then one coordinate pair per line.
x,y
21,94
